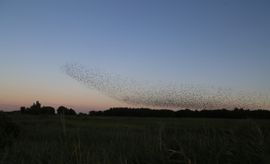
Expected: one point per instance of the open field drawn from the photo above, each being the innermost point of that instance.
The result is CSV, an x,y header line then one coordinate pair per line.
x,y
123,140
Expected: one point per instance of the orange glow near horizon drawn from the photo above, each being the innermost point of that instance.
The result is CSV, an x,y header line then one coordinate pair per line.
x,y
75,96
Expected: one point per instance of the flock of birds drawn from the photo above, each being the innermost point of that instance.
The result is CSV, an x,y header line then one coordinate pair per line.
x,y
174,96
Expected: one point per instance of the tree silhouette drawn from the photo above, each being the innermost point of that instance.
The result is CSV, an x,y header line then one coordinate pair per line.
x,y
65,111
47,110
37,109
36,106
218,113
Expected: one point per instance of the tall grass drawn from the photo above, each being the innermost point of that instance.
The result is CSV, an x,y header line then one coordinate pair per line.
x,y
98,140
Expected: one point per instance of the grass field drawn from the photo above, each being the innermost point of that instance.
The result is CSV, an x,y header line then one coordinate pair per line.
x,y
122,140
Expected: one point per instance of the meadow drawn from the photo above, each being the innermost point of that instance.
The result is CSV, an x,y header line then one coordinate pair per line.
x,y
129,140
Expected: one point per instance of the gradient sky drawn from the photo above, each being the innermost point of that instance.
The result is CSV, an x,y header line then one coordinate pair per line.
x,y
222,43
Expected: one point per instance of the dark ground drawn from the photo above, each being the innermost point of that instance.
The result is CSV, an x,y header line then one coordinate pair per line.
x,y
29,139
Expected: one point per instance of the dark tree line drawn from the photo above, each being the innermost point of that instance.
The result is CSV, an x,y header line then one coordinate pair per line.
x,y
37,109
136,112
218,113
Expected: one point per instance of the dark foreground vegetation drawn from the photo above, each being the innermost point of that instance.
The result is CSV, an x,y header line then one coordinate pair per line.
x,y
8,130
43,135
65,139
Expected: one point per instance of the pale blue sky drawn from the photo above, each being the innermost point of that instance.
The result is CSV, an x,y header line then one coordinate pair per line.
x,y
220,43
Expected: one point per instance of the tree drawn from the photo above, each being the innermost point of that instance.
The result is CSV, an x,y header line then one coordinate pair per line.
x,y
36,108
66,111
47,110
23,109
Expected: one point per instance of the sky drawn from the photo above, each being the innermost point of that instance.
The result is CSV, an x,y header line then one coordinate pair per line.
x,y
210,43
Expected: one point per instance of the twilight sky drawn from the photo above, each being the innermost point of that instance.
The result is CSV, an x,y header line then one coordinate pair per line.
x,y
203,44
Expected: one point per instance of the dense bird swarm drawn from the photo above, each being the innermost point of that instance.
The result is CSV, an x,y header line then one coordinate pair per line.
x,y
180,96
